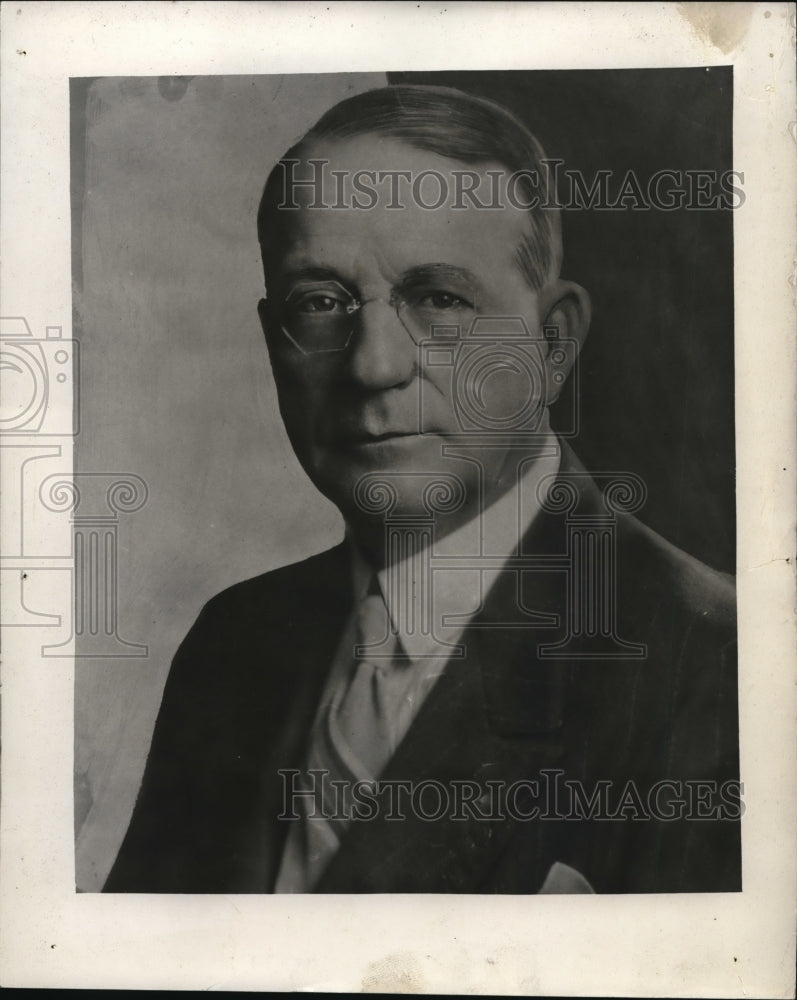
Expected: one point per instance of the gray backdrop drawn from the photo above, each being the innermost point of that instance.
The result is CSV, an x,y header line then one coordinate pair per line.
x,y
175,384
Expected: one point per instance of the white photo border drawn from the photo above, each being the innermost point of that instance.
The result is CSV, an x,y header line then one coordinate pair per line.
x,y
685,945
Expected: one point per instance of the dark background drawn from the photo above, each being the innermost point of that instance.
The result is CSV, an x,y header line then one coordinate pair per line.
x,y
657,370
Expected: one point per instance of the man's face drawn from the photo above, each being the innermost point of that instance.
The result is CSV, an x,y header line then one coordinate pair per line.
x,y
377,405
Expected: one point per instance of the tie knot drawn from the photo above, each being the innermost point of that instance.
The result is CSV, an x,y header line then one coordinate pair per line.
x,y
373,623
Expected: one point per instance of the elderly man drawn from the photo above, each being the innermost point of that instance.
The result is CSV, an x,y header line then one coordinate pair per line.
x,y
500,681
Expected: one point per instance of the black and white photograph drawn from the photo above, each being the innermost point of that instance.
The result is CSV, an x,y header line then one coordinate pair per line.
x,y
499,679
384,495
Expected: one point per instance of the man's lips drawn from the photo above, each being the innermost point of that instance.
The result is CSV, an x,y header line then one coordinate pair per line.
x,y
365,437
351,433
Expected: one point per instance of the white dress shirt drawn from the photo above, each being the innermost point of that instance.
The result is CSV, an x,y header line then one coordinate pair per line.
x,y
457,595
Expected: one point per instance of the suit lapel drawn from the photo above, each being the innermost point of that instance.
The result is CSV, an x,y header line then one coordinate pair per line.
x,y
495,715
317,604
448,752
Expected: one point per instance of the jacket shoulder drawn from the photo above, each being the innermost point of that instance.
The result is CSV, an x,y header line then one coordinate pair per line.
x,y
275,591
672,575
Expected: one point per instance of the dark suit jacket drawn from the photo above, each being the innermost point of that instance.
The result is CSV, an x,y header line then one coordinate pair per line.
x,y
246,681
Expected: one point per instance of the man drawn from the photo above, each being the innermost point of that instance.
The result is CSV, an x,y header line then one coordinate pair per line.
x,y
500,681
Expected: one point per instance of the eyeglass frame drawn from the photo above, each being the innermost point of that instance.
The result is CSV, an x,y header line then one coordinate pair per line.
x,y
355,304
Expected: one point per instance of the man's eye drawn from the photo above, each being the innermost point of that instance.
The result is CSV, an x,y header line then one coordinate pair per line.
x,y
320,304
443,301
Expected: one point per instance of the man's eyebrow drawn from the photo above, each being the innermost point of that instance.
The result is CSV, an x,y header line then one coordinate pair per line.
x,y
309,272
435,273
419,275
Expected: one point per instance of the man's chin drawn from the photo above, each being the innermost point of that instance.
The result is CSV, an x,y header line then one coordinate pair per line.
x,y
408,462
393,453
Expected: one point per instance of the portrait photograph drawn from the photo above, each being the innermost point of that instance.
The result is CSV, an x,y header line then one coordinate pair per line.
x,y
399,500
561,372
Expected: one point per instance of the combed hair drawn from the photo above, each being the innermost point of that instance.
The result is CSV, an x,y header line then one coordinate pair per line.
x,y
455,125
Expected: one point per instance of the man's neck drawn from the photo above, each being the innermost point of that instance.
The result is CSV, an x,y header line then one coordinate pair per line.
x,y
491,524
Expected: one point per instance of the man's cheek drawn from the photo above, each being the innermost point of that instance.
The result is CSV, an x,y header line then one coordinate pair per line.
x,y
509,389
433,402
297,412
300,388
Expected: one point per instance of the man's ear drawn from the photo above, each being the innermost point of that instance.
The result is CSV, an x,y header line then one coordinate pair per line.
x,y
270,331
262,312
568,312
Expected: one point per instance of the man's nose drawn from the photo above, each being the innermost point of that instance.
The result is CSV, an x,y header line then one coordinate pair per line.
x,y
382,354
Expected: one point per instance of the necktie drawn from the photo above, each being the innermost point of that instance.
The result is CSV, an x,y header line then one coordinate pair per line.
x,y
358,721
351,742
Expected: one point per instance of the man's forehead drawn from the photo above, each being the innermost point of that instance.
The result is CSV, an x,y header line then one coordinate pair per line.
x,y
377,151
400,173
385,197
357,243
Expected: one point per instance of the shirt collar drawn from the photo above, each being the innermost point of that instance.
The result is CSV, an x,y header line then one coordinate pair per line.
x,y
459,593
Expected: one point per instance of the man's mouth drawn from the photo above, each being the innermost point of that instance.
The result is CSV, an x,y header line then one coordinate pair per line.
x,y
366,438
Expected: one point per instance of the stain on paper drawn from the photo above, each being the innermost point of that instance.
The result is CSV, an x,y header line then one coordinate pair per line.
x,y
723,25
397,973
